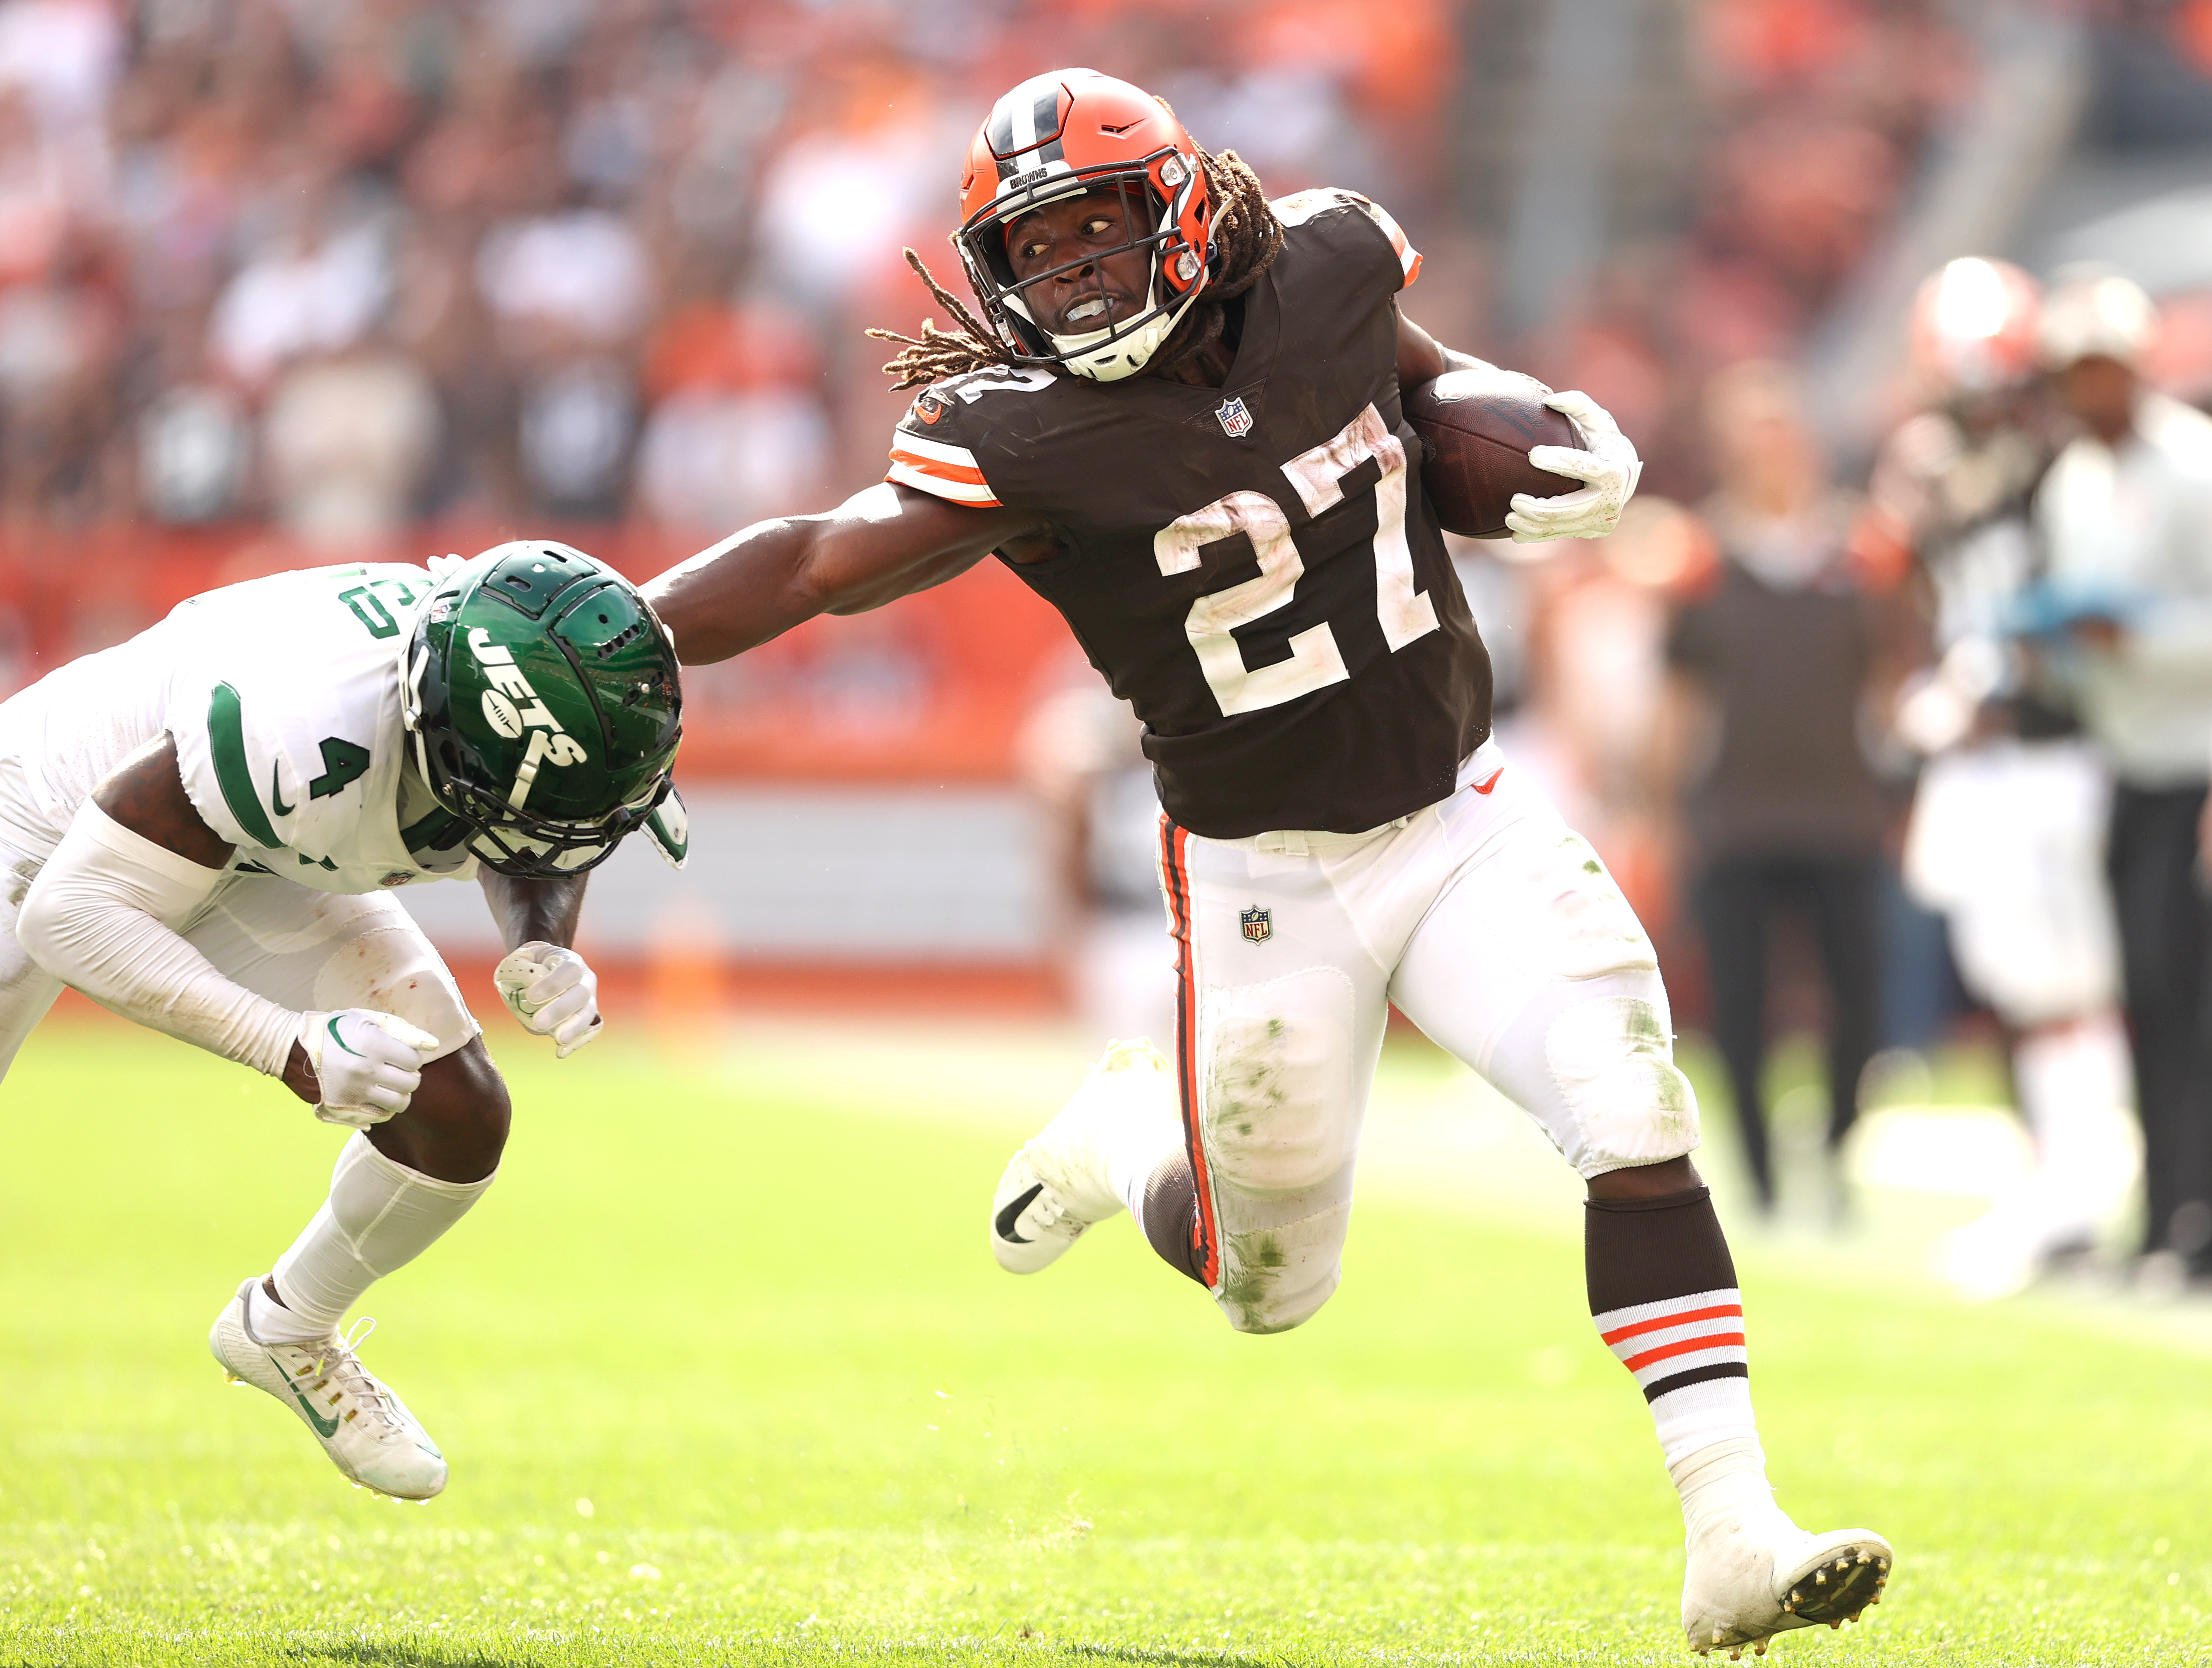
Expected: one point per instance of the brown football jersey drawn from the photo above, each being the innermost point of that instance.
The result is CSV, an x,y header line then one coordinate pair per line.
x,y
1254,568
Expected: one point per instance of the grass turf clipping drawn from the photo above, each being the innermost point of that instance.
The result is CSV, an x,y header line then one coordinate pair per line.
x,y
726,1374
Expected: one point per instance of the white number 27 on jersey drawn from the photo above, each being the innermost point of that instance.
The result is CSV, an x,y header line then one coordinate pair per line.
x,y
1318,477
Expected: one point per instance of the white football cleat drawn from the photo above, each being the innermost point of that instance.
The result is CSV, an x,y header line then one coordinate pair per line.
x,y
1060,1183
366,1430
1751,1574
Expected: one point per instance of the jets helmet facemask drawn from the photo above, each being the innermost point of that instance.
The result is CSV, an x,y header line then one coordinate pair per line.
x,y
541,693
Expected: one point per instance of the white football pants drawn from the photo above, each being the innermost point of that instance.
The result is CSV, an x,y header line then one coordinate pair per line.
x,y
1489,923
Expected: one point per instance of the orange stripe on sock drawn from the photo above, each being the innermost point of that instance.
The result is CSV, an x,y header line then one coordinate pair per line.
x,y
1688,1346
1660,1322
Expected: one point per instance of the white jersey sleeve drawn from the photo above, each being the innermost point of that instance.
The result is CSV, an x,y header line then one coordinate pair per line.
x,y
285,712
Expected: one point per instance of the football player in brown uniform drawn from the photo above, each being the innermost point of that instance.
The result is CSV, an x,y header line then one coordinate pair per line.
x,y
1178,419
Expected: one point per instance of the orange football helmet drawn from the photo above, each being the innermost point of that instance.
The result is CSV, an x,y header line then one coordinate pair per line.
x,y
1071,131
1974,326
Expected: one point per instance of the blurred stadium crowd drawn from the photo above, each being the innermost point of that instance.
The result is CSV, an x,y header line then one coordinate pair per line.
x,y
354,263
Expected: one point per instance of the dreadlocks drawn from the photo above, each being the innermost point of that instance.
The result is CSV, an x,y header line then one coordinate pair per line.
x,y
1247,238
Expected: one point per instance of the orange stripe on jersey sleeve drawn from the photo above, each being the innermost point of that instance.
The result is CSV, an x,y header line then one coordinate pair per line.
x,y
954,482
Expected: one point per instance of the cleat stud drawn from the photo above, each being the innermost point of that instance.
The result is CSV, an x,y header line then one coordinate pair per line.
x,y
1866,1557
1833,1625
1876,1599
1736,1655
1882,1563
1759,1649
1716,1636
1820,1578
1843,1563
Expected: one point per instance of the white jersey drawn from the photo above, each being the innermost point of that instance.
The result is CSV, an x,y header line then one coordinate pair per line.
x,y
282,696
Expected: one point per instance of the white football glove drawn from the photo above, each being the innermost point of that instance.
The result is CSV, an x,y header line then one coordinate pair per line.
x,y
553,992
1608,463
368,1065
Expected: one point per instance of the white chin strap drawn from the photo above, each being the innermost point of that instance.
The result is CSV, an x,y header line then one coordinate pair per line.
x,y
1091,354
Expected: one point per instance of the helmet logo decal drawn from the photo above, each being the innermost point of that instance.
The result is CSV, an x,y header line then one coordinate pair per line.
x,y
498,713
549,739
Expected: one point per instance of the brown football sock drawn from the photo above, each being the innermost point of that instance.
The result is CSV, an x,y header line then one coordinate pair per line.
x,y
1170,1219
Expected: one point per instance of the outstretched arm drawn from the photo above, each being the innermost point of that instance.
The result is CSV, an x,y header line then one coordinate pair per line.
x,y
876,547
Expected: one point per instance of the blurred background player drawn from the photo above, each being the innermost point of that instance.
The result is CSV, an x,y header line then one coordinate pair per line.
x,y
205,827
2008,827
1173,380
2124,517
1081,753
1778,650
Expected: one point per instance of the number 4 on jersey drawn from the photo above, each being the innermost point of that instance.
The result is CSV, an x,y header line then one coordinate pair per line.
x,y
1315,662
343,764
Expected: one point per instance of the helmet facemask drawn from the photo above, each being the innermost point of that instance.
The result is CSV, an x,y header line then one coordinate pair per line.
x,y
1157,188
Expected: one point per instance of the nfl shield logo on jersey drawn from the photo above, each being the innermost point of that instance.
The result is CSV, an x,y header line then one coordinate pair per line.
x,y
1259,927
1236,423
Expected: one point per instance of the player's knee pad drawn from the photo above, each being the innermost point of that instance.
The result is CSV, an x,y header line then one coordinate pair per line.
x,y
1275,1277
1280,1106
1611,1056
1281,1126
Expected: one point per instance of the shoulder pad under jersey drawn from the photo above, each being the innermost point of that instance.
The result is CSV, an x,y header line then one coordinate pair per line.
x,y
285,709
1301,206
932,447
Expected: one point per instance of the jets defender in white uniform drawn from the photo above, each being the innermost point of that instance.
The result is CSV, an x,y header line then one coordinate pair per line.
x,y
200,829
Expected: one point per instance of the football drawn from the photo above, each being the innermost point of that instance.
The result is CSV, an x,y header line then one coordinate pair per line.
x,y
1476,429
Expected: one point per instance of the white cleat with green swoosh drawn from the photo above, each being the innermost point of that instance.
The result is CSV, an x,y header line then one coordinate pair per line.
x,y
366,1430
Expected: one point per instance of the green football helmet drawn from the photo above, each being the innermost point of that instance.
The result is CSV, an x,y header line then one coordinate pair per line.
x,y
542,695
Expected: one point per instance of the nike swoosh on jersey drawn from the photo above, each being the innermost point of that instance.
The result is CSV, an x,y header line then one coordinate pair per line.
x,y
276,791
1489,781
1012,1214
323,1427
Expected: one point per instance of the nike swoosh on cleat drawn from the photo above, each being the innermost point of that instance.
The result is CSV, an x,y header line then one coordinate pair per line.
x,y
1012,1214
323,1427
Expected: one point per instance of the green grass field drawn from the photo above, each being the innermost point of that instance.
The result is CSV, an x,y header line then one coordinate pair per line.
x,y
726,1375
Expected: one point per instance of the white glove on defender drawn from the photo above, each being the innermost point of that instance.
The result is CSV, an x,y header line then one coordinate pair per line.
x,y
1609,464
369,1064
553,992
